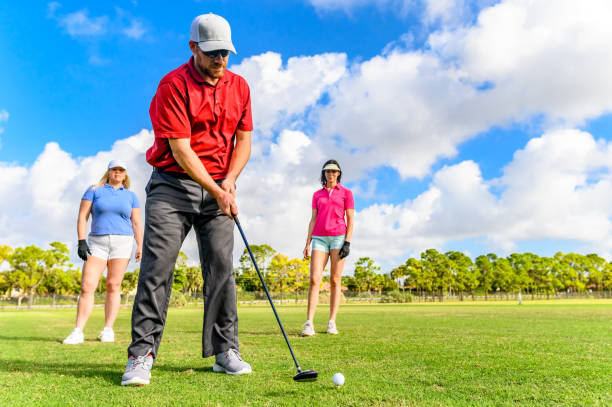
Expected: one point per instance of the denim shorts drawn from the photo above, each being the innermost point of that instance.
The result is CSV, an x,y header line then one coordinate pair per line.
x,y
327,243
108,247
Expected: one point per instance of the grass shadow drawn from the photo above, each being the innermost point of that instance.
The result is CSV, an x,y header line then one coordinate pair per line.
x,y
30,339
107,371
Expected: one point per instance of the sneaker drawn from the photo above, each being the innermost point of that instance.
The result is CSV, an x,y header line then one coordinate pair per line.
x,y
137,371
230,362
331,327
75,337
308,329
107,335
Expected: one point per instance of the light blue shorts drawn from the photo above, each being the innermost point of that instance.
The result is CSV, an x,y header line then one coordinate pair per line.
x,y
327,243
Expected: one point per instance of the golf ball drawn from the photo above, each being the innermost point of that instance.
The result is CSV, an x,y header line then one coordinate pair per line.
x,y
338,379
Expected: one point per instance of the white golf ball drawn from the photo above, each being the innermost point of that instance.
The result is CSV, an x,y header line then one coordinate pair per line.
x,y
338,379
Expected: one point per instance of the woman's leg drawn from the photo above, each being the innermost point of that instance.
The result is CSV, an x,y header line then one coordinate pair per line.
x,y
116,271
92,270
317,264
335,282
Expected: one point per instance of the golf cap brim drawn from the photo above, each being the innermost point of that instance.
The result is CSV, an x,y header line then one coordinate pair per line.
x,y
331,166
116,164
214,45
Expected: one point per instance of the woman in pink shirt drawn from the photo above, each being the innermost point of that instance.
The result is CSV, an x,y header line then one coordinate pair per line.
x,y
330,236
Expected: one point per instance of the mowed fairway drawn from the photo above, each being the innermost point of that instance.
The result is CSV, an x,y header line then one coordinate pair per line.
x,y
550,353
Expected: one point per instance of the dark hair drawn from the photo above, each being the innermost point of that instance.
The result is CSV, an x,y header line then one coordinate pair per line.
x,y
323,179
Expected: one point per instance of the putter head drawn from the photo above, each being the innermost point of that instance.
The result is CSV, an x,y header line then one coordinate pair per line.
x,y
306,376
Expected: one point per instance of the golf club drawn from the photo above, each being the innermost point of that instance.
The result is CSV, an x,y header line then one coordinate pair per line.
x,y
302,375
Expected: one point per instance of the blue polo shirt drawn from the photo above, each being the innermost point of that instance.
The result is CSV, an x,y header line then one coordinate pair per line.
x,y
111,210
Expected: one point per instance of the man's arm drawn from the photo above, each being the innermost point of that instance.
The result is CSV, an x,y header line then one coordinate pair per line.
x,y
190,162
240,156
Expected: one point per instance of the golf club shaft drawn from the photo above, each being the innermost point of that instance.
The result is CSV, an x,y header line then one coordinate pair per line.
x,y
267,293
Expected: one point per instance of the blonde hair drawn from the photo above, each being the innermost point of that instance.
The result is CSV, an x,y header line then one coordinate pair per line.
x,y
104,180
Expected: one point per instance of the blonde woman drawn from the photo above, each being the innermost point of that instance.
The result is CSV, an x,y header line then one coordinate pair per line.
x,y
330,235
115,224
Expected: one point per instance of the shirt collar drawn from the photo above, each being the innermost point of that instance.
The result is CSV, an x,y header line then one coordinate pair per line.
x,y
110,186
338,186
198,78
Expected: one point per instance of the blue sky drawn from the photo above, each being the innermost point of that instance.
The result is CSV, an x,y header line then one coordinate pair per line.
x,y
462,125
59,86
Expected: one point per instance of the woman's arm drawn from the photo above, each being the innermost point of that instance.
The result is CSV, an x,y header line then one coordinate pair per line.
x,y
84,211
350,218
311,226
137,228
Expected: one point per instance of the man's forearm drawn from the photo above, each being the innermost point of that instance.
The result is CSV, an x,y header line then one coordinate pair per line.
x,y
190,162
241,154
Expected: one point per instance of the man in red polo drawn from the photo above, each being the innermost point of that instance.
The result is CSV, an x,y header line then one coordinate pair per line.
x,y
201,116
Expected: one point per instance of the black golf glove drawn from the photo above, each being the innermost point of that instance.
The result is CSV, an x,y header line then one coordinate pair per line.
x,y
345,250
83,249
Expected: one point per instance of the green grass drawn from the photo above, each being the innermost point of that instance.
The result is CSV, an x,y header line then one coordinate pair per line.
x,y
435,354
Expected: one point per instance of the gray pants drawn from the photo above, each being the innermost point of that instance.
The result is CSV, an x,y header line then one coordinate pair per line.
x,y
174,205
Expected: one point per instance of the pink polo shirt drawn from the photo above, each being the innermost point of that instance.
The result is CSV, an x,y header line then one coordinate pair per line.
x,y
330,208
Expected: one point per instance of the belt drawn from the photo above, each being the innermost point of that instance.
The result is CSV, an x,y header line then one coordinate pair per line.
x,y
175,174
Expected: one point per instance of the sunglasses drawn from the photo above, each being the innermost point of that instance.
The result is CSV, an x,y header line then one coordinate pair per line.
x,y
215,53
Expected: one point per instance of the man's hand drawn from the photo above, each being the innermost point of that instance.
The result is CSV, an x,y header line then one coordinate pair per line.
x,y
229,185
226,203
345,250
83,250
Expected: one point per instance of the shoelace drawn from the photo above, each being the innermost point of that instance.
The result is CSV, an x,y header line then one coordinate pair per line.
x,y
234,353
146,361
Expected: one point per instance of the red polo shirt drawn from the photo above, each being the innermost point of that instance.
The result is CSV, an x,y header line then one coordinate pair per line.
x,y
186,106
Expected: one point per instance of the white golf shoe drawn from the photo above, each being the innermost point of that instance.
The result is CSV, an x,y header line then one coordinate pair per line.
x,y
75,337
308,329
331,327
107,335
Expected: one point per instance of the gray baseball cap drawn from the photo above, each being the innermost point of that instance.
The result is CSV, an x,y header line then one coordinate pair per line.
x,y
212,32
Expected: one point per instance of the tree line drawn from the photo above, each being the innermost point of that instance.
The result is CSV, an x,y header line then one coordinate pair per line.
x,y
441,274
455,273
33,271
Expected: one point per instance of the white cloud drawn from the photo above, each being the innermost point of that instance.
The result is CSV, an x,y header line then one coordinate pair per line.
x,y
409,109
405,110
279,93
557,188
544,57
44,198
273,193
135,30
79,24
453,12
